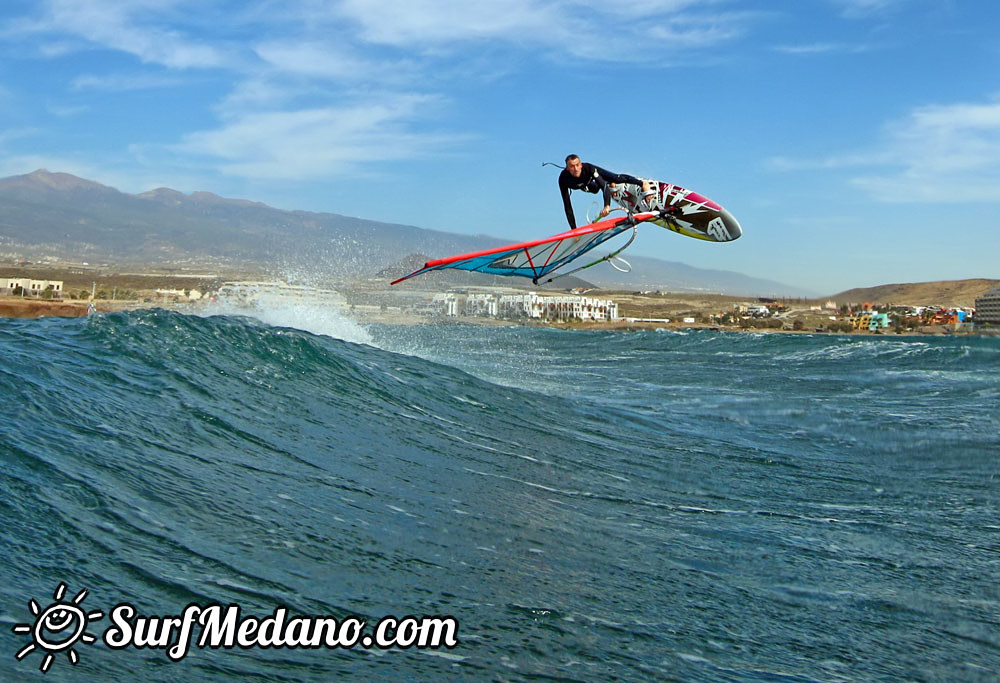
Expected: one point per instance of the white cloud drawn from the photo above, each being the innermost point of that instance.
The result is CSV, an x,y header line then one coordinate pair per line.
x,y
300,103
256,93
938,153
322,141
122,83
117,25
333,62
435,22
287,116
822,48
67,111
630,30
679,32
17,134
942,153
189,33
857,9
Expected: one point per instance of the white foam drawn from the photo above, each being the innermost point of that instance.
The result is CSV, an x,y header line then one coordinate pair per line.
x,y
317,311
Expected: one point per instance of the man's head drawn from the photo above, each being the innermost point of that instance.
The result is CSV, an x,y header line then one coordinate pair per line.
x,y
574,165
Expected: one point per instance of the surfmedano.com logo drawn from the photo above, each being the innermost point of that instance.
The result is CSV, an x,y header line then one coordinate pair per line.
x,y
61,625
57,628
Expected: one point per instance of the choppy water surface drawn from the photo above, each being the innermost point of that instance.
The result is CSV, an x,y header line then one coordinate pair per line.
x,y
587,505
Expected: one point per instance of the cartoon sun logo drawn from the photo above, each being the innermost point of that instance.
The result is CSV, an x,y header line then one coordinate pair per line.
x,y
58,627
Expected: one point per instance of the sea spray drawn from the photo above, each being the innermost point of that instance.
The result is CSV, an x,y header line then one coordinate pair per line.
x,y
320,311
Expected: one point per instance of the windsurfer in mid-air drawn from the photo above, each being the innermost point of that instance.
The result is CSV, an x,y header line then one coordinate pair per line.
x,y
585,176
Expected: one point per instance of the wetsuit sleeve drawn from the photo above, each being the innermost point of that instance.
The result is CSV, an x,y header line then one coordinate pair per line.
x,y
567,205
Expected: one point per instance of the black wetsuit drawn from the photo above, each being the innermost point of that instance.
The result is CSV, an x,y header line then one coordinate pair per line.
x,y
592,179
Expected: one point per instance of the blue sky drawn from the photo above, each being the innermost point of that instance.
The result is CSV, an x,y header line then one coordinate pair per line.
x,y
858,141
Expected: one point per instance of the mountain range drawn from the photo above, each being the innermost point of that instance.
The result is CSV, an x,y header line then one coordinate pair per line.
x,y
71,218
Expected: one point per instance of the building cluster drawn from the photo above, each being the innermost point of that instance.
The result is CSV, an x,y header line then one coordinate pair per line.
x,y
873,318
870,320
751,311
530,305
869,316
23,286
765,308
988,307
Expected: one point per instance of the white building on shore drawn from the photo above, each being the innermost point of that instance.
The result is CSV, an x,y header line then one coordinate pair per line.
x,y
534,306
579,308
446,304
481,306
530,305
28,287
521,306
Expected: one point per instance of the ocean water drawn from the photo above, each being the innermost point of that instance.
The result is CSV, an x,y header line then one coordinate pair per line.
x,y
588,506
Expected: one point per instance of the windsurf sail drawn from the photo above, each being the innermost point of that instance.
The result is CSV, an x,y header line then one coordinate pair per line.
x,y
538,258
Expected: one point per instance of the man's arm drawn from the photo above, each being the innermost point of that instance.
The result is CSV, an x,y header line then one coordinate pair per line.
x,y
564,190
607,196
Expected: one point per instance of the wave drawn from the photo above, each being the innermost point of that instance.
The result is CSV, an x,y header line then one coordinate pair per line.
x,y
557,492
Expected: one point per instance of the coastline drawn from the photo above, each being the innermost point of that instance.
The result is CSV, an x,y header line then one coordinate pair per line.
x,y
369,300
404,319
30,308
26,307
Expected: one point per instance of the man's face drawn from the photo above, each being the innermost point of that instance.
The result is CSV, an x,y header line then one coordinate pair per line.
x,y
575,167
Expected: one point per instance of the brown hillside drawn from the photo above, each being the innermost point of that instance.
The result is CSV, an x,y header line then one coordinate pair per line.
x,y
947,293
